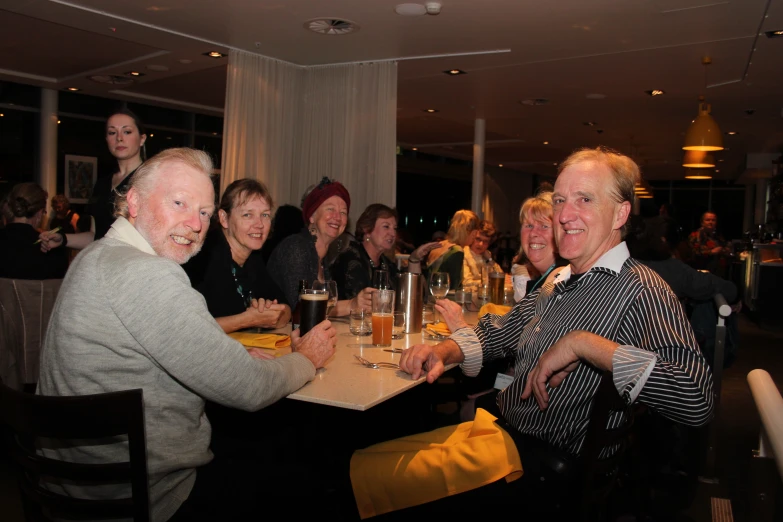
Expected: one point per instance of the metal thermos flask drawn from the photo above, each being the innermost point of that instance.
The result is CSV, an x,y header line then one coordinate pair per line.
x,y
409,300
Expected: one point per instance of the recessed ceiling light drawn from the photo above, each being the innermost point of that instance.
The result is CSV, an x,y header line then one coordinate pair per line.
x,y
720,161
1,115
732,133
454,72
589,123
410,9
74,89
134,73
58,122
214,54
774,34
546,143
431,110
555,164
152,135
500,165
414,148
656,92
698,176
716,170
331,26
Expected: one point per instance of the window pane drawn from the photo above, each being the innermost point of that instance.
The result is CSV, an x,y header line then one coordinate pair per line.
x,y
209,124
18,138
159,140
151,116
18,94
214,146
76,103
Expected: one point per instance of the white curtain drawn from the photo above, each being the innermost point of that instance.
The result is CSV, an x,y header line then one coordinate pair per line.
x,y
347,130
262,98
289,126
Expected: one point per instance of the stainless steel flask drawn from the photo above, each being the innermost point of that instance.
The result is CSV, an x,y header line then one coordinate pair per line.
x,y
409,300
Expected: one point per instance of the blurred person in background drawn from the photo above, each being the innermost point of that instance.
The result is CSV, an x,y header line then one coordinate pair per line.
x,y
449,256
478,257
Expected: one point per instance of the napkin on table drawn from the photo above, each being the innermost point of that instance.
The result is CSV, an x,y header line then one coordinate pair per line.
x,y
440,328
262,340
492,308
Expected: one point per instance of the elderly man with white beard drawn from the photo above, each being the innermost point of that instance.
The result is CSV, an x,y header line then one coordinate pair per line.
x,y
127,317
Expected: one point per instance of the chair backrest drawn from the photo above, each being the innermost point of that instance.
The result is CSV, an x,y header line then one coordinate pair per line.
x,y
25,308
27,418
603,447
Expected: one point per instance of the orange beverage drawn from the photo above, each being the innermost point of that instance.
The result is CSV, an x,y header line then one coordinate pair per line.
x,y
496,282
382,329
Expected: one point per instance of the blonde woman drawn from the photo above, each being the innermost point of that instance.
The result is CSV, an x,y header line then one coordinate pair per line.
x,y
450,256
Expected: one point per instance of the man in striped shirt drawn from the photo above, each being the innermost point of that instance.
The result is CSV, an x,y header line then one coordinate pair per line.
x,y
605,311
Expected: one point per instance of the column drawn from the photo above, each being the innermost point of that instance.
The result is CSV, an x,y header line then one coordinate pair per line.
x,y
47,159
477,195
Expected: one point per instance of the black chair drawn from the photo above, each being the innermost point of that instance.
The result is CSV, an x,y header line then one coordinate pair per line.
x,y
27,418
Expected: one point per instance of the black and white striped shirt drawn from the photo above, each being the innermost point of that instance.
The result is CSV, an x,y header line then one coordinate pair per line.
x,y
621,299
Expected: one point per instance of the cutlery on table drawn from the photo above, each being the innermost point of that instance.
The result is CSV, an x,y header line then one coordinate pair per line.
x,y
393,350
374,365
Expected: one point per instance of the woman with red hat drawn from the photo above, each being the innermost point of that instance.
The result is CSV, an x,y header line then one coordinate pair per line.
x,y
301,256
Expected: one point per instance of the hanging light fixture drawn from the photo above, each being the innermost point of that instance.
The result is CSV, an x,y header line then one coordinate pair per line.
x,y
704,133
697,159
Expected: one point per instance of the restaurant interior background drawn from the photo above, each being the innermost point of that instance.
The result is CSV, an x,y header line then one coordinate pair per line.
x,y
545,78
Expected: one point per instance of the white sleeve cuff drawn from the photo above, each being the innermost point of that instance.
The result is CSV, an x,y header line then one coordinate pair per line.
x,y
469,343
631,367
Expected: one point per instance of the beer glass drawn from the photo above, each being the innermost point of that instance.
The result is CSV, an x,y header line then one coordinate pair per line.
x,y
382,318
312,308
497,281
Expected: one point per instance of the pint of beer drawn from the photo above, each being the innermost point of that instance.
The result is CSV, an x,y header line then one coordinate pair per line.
x,y
382,317
312,309
496,283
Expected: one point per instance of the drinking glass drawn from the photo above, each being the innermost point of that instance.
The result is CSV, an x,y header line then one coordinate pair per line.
x,y
382,317
427,314
360,322
462,296
398,325
380,279
331,289
497,281
312,309
439,284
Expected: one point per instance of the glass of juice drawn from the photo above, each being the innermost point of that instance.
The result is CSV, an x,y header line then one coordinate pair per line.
x,y
382,317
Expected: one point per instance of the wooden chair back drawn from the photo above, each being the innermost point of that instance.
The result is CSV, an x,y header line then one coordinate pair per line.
x,y
27,418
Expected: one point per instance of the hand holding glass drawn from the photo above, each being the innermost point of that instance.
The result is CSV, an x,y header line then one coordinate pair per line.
x,y
439,287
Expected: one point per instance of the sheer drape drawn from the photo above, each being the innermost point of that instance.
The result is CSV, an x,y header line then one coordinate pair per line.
x,y
262,98
289,126
348,131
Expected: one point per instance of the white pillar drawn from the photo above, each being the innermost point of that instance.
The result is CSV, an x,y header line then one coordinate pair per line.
x,y
47,159
479,137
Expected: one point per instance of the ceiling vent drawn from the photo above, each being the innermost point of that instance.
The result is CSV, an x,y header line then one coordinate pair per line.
x,y
112,79
331,26
534,101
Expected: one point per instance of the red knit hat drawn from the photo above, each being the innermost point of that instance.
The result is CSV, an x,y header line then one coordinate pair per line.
x,y
323,191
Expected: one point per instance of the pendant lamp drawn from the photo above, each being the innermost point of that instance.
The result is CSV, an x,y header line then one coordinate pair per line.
x,y
704,133
696,159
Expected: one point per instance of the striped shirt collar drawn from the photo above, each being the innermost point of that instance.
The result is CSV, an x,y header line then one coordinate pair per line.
x,y
123,230
612,260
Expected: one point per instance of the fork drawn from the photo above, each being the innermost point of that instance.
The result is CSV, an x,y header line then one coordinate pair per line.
x,y
376,366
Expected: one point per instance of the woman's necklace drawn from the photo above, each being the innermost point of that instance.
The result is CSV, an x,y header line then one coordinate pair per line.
x,y
542,278
247,299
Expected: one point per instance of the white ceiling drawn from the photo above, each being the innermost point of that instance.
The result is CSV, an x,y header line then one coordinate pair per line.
x,y
560,50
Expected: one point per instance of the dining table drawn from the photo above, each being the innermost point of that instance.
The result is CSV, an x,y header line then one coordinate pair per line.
x,y
344,382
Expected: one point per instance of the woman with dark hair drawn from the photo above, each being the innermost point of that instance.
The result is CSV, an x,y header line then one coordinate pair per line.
x,y
230,272
376,233
125,137
20,256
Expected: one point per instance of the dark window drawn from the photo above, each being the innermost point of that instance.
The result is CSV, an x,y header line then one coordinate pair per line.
x,y
18,147
19,94
214,146
209,124
76,103
160,116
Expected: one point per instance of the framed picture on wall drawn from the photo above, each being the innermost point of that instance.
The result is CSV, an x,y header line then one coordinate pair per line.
x,y
81,172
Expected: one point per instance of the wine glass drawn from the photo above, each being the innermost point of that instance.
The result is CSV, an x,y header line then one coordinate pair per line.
x,y
462,296
439,284
331,289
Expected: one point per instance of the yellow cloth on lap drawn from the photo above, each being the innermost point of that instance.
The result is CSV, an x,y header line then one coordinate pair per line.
x,y
492,308
262,340
421,468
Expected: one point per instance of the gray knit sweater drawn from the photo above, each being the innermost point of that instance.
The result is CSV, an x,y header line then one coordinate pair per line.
x,y
125,318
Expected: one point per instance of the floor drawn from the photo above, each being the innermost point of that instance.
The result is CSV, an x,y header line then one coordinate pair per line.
x,y
682,499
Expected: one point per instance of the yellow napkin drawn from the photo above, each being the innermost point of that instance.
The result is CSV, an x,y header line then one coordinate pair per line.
x,y
440,328
492,308
413,470
262,340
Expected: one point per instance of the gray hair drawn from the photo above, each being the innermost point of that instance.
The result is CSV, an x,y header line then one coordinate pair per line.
x,y
146,175
625,173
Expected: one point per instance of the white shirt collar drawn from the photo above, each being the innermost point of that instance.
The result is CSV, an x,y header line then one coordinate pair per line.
x,y
122,230
613,260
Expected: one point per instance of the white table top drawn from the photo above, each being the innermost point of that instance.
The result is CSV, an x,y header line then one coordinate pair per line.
x,y
345,383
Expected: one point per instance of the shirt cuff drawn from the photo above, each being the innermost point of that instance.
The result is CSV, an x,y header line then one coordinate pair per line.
x,y
469,343
631,367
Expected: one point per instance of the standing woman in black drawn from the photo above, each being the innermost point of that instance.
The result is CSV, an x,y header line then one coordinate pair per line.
x,y
125,136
